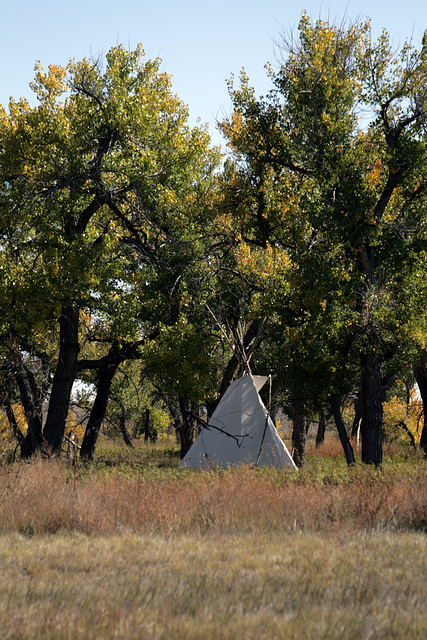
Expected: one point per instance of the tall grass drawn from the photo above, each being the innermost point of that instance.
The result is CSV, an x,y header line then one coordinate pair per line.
x,y
50,496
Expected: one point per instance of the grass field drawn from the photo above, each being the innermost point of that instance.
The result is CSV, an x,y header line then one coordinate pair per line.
x,y
131,547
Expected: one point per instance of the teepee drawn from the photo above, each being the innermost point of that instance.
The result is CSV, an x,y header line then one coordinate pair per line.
x,y
240,431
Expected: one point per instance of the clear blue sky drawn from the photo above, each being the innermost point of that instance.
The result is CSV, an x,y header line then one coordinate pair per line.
x,y
201,43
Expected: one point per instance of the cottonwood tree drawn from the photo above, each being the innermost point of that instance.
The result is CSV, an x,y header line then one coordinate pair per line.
x,y
95,182
333,163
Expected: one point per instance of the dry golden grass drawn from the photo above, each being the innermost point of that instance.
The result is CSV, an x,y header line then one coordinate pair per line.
x,y
219,587
50,496
132,547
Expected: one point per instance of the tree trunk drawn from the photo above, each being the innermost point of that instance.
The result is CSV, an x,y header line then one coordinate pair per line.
x,y
355,428
64,377
299,433
371,428
339,422
107,367
186,427
421,378
31,404
321,429
10,414
123,429
147,425
97,415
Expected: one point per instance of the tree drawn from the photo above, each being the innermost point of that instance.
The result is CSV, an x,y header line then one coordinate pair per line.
x,y
421,378
96,181
342,137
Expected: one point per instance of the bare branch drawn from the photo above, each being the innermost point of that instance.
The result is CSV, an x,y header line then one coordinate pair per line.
x,y
207,425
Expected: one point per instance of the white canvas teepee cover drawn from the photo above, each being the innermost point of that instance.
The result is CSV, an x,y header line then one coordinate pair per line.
x,y
240,431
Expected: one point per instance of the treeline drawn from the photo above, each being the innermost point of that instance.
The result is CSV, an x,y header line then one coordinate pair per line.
x,y
130,247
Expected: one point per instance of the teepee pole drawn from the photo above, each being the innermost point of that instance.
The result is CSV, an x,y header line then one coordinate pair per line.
x,y
266,422
237,345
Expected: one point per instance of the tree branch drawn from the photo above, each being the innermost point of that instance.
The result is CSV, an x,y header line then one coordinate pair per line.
x,y
206,425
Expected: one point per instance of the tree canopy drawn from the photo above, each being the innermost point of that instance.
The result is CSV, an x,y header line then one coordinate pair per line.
x,y
123,238
333,162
